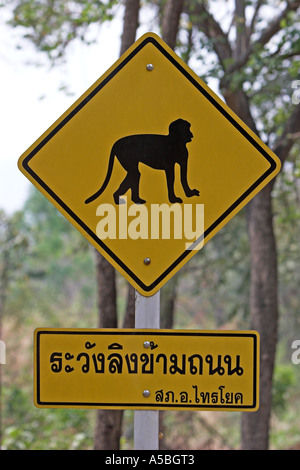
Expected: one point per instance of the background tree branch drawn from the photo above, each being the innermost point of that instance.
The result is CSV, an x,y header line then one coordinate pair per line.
x,y
286,140
265,37
170,21
109,422
206,23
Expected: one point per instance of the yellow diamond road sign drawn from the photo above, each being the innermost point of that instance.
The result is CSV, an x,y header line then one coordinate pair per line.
x,y
147,369
149,164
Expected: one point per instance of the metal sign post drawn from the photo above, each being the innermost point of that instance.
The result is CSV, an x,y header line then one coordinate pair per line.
x,y
146,423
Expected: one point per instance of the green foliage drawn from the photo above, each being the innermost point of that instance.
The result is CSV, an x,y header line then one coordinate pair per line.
x,y
60,265
284,380
217,279
37,429
13,276
50,281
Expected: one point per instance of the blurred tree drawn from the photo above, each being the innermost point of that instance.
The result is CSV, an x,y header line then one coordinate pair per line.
x,y
13,246
109,422
58,266
46,269
252,49
52,24
252,57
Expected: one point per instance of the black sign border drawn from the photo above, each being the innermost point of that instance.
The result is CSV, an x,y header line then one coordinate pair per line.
x,y
143,405
97,89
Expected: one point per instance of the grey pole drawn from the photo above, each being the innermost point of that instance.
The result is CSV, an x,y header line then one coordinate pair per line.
x,y
146,423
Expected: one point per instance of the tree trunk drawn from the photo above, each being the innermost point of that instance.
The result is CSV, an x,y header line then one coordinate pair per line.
x,y
130,24
263,293
263,302
167,303
167,308
263,296
130,308
109,422
264,314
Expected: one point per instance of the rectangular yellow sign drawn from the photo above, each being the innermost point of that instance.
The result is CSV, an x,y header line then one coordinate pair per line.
x,y
146,369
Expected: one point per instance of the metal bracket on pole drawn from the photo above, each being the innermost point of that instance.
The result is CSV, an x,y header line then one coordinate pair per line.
x,y
146,423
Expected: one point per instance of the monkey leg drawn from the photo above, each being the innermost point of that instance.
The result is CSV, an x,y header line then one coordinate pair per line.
x,y
170,175
184,182
123,188
131,180
135,187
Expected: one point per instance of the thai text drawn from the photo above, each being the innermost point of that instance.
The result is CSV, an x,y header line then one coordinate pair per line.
x,y
197,396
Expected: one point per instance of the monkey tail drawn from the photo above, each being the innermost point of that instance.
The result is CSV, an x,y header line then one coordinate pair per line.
x,y
107,178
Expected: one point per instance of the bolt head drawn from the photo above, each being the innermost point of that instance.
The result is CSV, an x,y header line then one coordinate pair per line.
x,y
147,261
146,393
150,67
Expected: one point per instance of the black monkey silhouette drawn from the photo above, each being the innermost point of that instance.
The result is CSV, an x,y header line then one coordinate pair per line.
x,y
160,152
